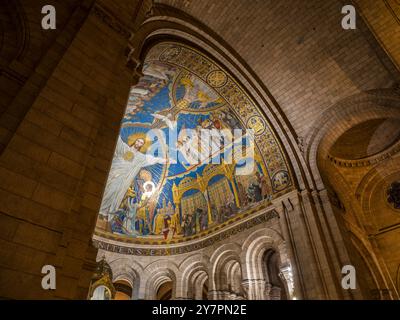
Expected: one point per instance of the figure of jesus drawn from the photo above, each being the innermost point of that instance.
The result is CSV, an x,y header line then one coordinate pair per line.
x,y
126,164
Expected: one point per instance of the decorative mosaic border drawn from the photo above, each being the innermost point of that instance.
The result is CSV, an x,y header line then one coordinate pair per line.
x,y
264,217
249,114
241,104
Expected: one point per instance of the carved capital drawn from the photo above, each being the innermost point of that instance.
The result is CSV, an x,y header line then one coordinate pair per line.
x,y
286,202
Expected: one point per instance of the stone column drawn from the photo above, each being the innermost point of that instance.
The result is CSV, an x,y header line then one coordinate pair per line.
x,y
214,295
198,292
267,291
301,235
290,247
287,275
275,293
254,288
338,249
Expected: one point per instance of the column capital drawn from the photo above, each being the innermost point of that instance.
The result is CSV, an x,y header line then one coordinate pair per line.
x,y
288,201
254,288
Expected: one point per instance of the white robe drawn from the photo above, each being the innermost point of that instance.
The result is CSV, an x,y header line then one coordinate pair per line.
x,y
122,174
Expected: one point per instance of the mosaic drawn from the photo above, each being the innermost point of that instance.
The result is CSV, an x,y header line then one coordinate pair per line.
x,y
151,199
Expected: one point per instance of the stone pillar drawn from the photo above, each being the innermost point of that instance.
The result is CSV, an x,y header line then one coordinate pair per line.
x,y
295,224
338,247
275,293
311,246
287,275
254,288
287,235
67,136
272,292
267,291
214,295
198,292
322,237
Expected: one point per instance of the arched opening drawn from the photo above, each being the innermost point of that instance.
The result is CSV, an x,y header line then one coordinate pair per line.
x,y
275,287
366,139
228,277
194,282
356,163
164,292
234,273
156,275
225,274
123,290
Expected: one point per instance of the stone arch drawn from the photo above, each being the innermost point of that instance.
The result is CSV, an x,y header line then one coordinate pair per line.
x,y
343,115
123,289
372,262
370,182
233,271
198,278
129,271
374,208
156,29
282,167
253,249
157,273
220,263
256,243
276,283
201,286
356,223
194,273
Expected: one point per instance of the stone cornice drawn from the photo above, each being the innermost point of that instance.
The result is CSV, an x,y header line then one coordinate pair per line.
x,y
368,161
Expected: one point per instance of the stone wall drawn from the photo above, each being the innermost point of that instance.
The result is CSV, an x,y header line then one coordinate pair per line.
x,y
54,167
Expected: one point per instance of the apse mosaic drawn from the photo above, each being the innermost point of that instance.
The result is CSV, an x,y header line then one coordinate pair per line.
x,y
152,198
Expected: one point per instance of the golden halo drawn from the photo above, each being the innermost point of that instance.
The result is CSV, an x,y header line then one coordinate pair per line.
x,y
139,135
